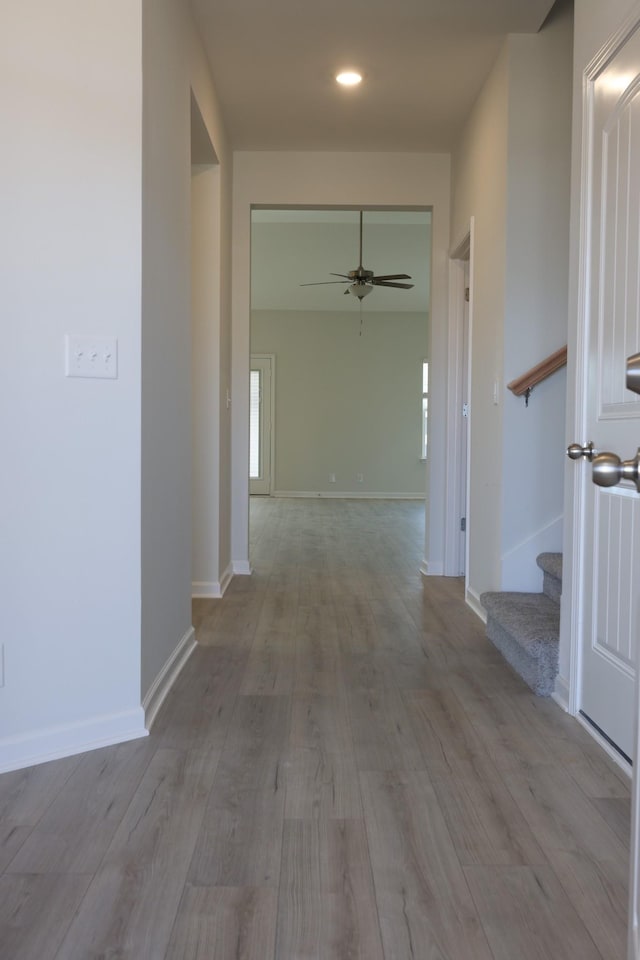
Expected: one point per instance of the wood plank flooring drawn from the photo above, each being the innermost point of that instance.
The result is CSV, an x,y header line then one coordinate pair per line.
x,y
345,770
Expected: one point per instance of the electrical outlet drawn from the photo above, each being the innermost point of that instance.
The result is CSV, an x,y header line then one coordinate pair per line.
x,y
359,477
91,357
332,478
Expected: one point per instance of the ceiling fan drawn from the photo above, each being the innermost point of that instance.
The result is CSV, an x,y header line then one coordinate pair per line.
x,y
361,282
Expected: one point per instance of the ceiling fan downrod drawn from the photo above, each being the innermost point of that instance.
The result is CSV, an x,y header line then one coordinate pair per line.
x,y
361,282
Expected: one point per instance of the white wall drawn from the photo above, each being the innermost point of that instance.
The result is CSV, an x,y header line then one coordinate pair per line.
x,y
94,555
334,179
348,399
71,97
536,296
479,179
173,63
511,173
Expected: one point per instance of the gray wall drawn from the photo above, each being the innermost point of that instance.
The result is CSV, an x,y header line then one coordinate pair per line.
x,y
346,403
173,64
70,611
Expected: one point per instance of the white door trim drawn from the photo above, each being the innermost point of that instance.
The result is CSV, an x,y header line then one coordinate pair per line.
x,y
456,376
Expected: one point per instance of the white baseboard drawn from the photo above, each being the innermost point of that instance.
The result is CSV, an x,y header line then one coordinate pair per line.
x,y
213,590
561,693
162,684
428,568
473,600
201,590
53,743
344,495
520,571
241,568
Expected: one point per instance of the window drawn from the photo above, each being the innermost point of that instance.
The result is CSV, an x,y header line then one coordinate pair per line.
x,y
254,424
425,406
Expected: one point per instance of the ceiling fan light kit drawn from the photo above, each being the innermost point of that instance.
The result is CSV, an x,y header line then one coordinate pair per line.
x,y
359,289
361,282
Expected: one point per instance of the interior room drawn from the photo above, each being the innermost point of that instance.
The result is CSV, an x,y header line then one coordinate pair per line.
x,y
346,374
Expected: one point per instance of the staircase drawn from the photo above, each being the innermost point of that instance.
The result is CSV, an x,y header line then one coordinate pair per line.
x,y
525,627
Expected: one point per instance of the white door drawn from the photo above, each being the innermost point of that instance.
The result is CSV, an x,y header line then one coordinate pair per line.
x,y
611,313
261,384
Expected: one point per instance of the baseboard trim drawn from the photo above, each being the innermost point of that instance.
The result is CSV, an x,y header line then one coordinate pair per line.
x,y
201,590
473,600
241,568
155,695
561,693
344,495
66,740
213,590
430,569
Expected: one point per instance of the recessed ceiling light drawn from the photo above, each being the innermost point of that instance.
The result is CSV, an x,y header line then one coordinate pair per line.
x,y
349,78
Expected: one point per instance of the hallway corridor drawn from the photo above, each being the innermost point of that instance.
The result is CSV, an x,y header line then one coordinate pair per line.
x,y
345,770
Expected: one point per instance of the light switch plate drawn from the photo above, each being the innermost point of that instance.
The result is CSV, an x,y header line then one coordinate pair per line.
x,y
91,357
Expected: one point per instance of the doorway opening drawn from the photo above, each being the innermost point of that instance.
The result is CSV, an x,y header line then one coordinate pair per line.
x,y
347,418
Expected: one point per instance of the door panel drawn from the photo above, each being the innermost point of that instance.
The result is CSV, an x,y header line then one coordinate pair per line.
x,y
612,311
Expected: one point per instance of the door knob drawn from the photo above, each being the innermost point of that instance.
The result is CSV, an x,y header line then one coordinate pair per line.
x,y
633,372
609,470
576,451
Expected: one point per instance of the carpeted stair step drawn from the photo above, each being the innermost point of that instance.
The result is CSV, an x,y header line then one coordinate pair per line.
x,y
551,566
525,628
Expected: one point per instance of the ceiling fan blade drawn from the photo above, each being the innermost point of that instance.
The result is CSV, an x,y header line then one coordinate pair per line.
x,y
389,276
322,283
345,275
390,283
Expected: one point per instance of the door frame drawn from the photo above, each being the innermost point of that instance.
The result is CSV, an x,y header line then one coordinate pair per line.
x,y
458,461
271,357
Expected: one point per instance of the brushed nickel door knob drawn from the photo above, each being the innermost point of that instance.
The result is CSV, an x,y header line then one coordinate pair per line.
x,y
609,470
633,372
577,451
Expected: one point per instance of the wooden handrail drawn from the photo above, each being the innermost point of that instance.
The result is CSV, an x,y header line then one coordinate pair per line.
x,y
522,386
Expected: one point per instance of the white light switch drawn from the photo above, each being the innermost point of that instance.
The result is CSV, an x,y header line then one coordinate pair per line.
x,y
91,357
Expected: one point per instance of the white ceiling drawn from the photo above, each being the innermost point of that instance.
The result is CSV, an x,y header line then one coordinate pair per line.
x,y
292,247
423,62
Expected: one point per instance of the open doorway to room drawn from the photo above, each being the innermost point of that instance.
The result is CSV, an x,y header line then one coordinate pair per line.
x,y
347,413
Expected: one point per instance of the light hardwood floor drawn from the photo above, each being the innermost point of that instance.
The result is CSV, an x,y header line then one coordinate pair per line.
x,y
345,770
